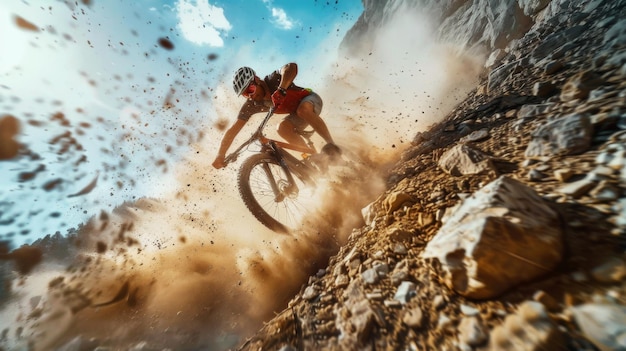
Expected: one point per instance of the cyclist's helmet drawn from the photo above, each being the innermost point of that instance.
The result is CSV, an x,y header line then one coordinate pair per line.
x,y
242,78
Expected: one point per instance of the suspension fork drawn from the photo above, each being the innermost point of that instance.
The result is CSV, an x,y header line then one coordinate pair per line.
x,y
278,194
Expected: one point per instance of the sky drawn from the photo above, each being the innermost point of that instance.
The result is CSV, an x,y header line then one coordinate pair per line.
x,y
110,95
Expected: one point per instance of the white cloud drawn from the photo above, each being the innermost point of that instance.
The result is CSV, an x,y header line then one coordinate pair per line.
x,y
201,22
281,18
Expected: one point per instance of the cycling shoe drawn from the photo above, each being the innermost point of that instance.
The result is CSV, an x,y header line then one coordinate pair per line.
x,y
331,150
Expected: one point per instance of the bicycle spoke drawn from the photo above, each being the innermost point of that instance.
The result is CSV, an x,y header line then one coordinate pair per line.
x,y
284,206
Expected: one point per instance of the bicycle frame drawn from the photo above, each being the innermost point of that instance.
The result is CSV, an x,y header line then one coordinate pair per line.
x,y
265,141
283,145
288,162
274,184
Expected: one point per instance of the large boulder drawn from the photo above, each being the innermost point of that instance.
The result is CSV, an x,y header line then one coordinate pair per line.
x,y
464,159
499,237
569,135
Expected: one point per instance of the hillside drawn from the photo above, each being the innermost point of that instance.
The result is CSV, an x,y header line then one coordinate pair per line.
x,y
501,227
498,224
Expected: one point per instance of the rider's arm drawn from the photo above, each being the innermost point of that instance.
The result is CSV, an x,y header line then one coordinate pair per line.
x,y
246,111
227,140
288,73
230,135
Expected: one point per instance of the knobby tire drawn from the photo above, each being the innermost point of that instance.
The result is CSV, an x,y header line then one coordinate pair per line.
x,y
257,195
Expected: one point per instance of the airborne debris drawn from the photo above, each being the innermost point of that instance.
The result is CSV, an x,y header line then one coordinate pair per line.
x,y
24,24
88,188
166,43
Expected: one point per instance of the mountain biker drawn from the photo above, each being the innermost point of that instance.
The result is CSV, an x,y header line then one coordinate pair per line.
x,y
302,106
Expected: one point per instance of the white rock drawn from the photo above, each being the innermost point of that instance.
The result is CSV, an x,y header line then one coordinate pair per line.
x,y
499,237
405,292
603,324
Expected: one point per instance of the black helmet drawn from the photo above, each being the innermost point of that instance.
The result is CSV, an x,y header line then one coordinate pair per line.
x,y
242,78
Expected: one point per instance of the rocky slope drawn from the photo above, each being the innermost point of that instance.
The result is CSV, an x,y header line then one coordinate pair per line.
x,y
476,25
502,227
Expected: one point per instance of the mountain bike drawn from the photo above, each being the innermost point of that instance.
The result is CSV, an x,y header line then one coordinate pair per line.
x,y
275,185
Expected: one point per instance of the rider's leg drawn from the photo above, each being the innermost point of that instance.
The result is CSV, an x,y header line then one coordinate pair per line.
x,y
307,111
287,130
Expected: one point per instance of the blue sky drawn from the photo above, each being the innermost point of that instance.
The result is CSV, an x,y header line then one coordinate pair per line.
x,y
132,85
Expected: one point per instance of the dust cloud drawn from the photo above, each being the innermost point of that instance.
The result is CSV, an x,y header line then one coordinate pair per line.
x,y
397,83
194,269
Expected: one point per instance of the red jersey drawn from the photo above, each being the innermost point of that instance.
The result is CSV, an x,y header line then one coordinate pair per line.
x,y
295,94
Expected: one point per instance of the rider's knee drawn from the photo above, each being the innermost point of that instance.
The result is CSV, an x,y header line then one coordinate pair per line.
x,y
285,128
306,111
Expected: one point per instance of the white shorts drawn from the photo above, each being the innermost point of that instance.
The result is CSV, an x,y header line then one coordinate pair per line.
x,y
300,123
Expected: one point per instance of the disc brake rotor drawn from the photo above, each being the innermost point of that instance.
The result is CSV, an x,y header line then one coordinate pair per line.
x,y
287,190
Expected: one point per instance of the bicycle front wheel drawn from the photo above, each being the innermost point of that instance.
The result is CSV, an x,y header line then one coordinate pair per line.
x,y
267,193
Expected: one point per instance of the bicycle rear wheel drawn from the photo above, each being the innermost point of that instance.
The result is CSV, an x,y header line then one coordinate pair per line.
x,y
267,193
